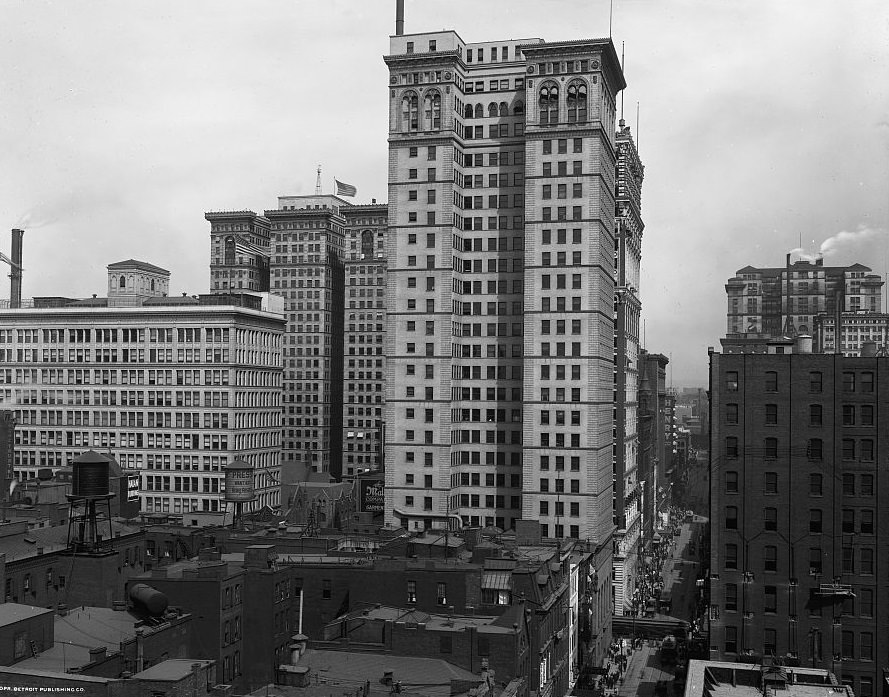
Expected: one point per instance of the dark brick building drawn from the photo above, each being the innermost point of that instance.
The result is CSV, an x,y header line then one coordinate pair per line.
x,y
798,548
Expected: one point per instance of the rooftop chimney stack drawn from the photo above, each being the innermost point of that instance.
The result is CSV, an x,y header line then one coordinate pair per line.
x,y
15,273
399,17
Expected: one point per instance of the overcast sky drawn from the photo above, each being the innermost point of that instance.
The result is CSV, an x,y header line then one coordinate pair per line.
x,y
763,123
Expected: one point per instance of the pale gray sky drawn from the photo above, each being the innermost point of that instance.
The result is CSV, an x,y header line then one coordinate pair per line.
x,y
763,122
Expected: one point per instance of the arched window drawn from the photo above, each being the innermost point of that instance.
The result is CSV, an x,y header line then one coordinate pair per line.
x,y
367,244
229,251
479,111
432,111
518,108
410,116
123,282
152,284
549,104
504,109
577,102
467,112
492,109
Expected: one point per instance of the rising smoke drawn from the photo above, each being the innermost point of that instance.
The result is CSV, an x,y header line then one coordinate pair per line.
x,y
65,207
853,241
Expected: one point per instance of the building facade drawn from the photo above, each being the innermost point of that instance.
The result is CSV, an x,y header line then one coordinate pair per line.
x,y
364,326
653,443
797,556
628,485
771,303
501,283
327,259
172,387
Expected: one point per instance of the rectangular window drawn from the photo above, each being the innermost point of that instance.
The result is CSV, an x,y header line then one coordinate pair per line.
x,y
771,483
865,602
731,482
731,596
867,382
731,640
770,518
412,591
770,558
815,415
815,382
867,415
815,520
731,556
815,449
866,554
731,414
731,517
770,599
731,381
816,485
815,561
769,641
866,646
771,414
731,447
771,381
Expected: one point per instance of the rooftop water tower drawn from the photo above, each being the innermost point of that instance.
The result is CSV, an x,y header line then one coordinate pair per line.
x,y
89,517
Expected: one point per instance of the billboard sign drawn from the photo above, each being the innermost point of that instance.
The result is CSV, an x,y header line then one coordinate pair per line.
x,y
133,483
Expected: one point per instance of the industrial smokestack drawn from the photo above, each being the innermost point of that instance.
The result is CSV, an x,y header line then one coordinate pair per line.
x,y
15,274
399,17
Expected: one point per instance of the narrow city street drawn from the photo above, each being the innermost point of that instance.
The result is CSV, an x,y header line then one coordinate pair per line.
x,y
648,670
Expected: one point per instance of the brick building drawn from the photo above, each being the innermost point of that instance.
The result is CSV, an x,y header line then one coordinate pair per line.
x,y
797,553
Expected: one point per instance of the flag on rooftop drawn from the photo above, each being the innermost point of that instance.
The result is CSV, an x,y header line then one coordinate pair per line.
x,y
343,189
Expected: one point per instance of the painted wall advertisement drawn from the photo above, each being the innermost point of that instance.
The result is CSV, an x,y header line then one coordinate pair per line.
x,y
371,495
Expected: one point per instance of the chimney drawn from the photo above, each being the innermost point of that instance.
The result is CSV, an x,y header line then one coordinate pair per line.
x,y
399,17
15,272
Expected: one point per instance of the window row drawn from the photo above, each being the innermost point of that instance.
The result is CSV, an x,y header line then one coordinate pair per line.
x,y
862,382
852,414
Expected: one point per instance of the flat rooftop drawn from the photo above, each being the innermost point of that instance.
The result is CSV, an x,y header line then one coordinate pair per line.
x,y
82,629
726,679
456,623
172,670
10,613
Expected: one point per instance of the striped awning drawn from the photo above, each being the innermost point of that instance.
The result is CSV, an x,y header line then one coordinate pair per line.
x,y
496,580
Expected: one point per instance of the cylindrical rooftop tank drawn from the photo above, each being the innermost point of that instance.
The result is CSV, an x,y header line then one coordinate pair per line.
x,y
804,343
150,598
90,476
868,349
239,481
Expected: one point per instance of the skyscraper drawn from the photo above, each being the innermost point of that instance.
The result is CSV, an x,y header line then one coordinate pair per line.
x,y
326,258
500,341
802,297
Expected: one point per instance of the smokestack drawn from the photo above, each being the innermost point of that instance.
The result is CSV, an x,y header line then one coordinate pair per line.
x,y
399,17
15,273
